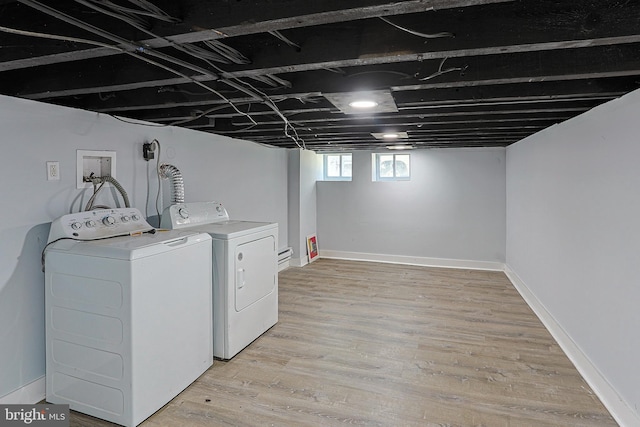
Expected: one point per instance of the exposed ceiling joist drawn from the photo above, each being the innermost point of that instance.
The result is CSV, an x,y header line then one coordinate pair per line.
x,y
461,72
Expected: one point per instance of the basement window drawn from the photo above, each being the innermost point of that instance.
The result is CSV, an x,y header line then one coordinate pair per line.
x,y
391,167
337,167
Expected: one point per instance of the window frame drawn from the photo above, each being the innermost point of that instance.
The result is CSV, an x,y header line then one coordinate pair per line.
x,y
376,167
325,169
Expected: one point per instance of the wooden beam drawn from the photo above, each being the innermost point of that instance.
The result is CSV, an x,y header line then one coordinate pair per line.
x,y
253,27
613,69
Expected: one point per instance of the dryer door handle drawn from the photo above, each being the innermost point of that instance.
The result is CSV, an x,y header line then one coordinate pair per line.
x,y
240,278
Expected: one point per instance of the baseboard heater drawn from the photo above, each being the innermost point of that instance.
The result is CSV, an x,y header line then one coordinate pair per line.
x,y
284,255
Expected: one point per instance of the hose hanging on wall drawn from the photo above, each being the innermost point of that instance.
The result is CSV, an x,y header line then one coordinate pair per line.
x,y
171,172
96,189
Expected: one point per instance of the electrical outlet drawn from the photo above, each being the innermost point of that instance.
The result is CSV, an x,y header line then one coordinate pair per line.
x,y
53,171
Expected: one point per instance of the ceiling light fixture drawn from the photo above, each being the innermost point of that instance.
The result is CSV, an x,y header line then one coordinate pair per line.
x,y
363,104
390,135
400,147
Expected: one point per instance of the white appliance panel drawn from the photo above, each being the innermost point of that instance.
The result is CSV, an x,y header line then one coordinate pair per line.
x,y
245,272
254,278
237,326
126,333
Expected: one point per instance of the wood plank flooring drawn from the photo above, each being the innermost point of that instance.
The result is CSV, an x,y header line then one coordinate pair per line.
x,y
376,344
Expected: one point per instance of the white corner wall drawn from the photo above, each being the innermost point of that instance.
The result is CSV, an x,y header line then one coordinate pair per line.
x,y
249,179
303,174
573,242
451,212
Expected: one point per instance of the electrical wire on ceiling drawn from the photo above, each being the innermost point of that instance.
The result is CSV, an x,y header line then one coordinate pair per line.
x,y
130,48
145,8
272,80
218,52
225,52
416,33
441,71
134,17
114,47
277,34
124,44
121,50
204,113
306,98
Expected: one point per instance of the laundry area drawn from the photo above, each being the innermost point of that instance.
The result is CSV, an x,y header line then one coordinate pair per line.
x,y
136,313
291,213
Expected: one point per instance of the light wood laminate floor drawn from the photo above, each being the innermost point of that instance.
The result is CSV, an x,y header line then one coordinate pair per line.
x,y
376,344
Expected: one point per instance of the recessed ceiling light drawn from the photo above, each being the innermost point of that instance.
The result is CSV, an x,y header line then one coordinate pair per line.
x,y
363,104
390,135
400,147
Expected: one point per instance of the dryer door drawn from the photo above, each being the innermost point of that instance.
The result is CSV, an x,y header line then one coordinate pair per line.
x,y
255,271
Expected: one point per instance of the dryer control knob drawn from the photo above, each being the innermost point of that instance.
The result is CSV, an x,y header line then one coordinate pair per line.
x,y
124,218
108,220
135,217
183,213
90,224
76,225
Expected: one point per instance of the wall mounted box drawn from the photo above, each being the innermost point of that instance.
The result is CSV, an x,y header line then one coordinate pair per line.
x,y
98,163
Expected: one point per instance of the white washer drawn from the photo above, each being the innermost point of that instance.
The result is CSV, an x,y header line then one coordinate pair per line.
x,y
245,272
127,318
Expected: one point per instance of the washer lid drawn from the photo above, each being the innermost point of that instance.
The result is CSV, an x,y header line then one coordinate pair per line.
x,y
131,247
232,229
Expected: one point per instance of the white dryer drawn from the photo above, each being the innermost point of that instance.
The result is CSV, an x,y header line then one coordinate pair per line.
x,y
127,318
245,272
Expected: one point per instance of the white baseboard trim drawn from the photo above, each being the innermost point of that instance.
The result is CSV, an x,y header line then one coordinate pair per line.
x,y
299,262
31,393
621,412
412,260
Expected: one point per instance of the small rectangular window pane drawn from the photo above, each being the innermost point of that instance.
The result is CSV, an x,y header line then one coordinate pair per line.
x,y
346,165
385,165
402,166
333,166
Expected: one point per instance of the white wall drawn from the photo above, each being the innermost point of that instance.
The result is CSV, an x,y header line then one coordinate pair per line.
x,y
573,236
453,208
249,179
303,173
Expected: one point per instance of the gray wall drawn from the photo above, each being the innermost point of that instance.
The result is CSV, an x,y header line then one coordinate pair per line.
x,y
249,179
573,234
452,208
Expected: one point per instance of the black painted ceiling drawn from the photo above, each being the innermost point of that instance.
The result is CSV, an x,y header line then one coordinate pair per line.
x,y
462,73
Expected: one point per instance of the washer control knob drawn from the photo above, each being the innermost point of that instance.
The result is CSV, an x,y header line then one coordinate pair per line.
x,y
76,225
108,220
135,217
125,218
183,213
90,224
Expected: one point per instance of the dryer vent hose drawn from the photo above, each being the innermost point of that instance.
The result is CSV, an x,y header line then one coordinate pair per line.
x,y
171,172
